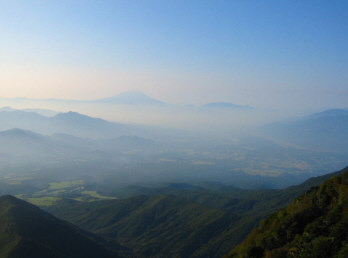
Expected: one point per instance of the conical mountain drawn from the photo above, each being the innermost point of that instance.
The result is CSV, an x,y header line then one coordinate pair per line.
x,y
131,98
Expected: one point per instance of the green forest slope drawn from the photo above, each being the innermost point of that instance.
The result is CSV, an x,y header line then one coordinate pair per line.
x,y
27,231
190,222
313,225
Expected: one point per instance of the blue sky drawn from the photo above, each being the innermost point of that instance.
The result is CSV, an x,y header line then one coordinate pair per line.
x,y
261,53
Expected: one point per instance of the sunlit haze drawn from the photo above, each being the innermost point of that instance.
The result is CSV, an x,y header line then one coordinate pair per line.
x,y
279,55
173,128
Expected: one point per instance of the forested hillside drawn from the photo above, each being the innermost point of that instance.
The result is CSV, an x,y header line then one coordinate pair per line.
x,y
27,231
180,220
313,225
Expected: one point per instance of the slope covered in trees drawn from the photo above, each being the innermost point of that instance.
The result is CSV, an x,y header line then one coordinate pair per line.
x,y
313,225
27,231
180,221
152,226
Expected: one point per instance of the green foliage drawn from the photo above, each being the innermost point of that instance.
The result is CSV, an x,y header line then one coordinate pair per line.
x,y
43,201
27,231
152,226
181,220
65,184
313,225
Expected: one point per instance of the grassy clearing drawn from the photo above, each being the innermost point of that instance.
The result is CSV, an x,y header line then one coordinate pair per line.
x,y
94,194
60,191
14,182
65,184
43,201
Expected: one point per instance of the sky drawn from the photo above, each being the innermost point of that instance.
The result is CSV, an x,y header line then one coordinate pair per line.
x,y
269,54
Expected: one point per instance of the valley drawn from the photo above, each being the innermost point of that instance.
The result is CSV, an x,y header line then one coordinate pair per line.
x,y
173,129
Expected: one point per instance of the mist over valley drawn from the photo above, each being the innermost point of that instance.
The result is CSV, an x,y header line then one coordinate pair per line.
x,y
179,129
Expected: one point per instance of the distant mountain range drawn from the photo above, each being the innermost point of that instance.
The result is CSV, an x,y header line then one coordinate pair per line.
x,y
329,113
136,98
70,123
325,131
40,111
131,98
22,147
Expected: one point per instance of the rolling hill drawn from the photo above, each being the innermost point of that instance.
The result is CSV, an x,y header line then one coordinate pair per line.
x,y
156,226
69,123
180,220
27,231
23,148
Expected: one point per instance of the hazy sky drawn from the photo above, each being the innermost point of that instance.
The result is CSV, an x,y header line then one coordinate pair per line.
x,y
261,53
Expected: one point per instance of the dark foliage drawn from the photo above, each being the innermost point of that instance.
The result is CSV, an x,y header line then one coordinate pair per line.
x,y
313,225
27,231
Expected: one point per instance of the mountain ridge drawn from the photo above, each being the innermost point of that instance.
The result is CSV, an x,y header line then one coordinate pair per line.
x,y
178,221
130,98
313,225
70,122
27,231
324,131
134,98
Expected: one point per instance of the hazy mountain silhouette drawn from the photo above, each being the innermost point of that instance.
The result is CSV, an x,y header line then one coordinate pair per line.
x,y
19,134
326,131
330,113
131,98
69,123
22,148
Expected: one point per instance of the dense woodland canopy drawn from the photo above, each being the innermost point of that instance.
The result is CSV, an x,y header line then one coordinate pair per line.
x,y
313,225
